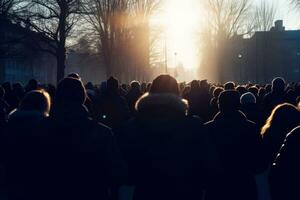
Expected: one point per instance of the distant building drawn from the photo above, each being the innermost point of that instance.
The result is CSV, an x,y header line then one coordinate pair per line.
x,y
263,56
20,59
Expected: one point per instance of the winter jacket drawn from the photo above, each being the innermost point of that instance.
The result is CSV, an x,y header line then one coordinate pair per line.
x,y
285,174
239,145
167,153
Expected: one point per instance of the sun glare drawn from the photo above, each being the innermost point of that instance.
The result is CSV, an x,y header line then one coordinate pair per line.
x,y
180,19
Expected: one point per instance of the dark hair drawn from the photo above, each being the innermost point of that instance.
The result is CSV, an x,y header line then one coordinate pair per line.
x,y
135,85
36,100
74,75
112,84
229,100
217,92
229,86
278,84
195,85
165,84
70,90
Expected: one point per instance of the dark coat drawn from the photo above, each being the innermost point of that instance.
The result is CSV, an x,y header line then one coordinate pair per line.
x,y
238,145
23,151
78,158
168,155
112,109
285,174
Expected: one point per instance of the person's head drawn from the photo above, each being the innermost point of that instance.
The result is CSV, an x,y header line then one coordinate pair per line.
x,y
261,92
241,89
229,101
74,75
7,87
195,85
229,86
89,86
2,92
253,90
204,85
217,92
284,115
32,85
164,84
278,84
135,86
70,90
112,84
36,100
248,98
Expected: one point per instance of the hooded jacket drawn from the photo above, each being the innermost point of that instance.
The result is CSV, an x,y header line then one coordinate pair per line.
x,y
166,150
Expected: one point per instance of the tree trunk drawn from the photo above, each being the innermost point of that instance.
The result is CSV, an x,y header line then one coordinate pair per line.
x,y
61,58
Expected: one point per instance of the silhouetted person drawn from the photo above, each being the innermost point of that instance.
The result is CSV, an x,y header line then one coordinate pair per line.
x,y
81,158
10,98
238,143
250,108
214,107
31,85
112,108
18,91
229,86
133,95
282,120
199,99
285,174
275,97
168,155
23,148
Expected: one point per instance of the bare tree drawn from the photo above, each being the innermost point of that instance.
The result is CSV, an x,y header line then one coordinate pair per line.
x,y
122,28
54,20
296,3
225,19
264,16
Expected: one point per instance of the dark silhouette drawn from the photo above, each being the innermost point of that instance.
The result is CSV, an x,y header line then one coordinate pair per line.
x,y
282,120
168,155
81,157
53,145
112,108
133,95
285,174
250,108
275,97
24,145
199,99
10,98
238,143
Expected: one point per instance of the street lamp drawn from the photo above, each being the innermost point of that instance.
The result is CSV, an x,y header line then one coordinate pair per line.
x,y
240,56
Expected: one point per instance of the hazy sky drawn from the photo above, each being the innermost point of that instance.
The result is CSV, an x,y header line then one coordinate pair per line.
x,y
287,13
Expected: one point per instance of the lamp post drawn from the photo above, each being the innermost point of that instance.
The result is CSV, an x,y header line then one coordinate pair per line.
x,y
166,52
240,56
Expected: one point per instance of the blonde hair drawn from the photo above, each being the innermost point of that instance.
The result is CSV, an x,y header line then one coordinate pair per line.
x,y
280,112
37,100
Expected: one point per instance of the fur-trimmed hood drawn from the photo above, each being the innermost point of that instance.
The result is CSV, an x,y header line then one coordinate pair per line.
x,y
161,106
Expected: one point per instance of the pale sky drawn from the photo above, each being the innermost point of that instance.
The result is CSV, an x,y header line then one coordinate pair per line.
x,y
287,13
182,20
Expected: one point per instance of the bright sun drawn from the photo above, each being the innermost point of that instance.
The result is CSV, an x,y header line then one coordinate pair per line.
x,y
181,21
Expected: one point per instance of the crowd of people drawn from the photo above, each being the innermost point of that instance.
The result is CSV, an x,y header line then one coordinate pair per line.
x,y
150,141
